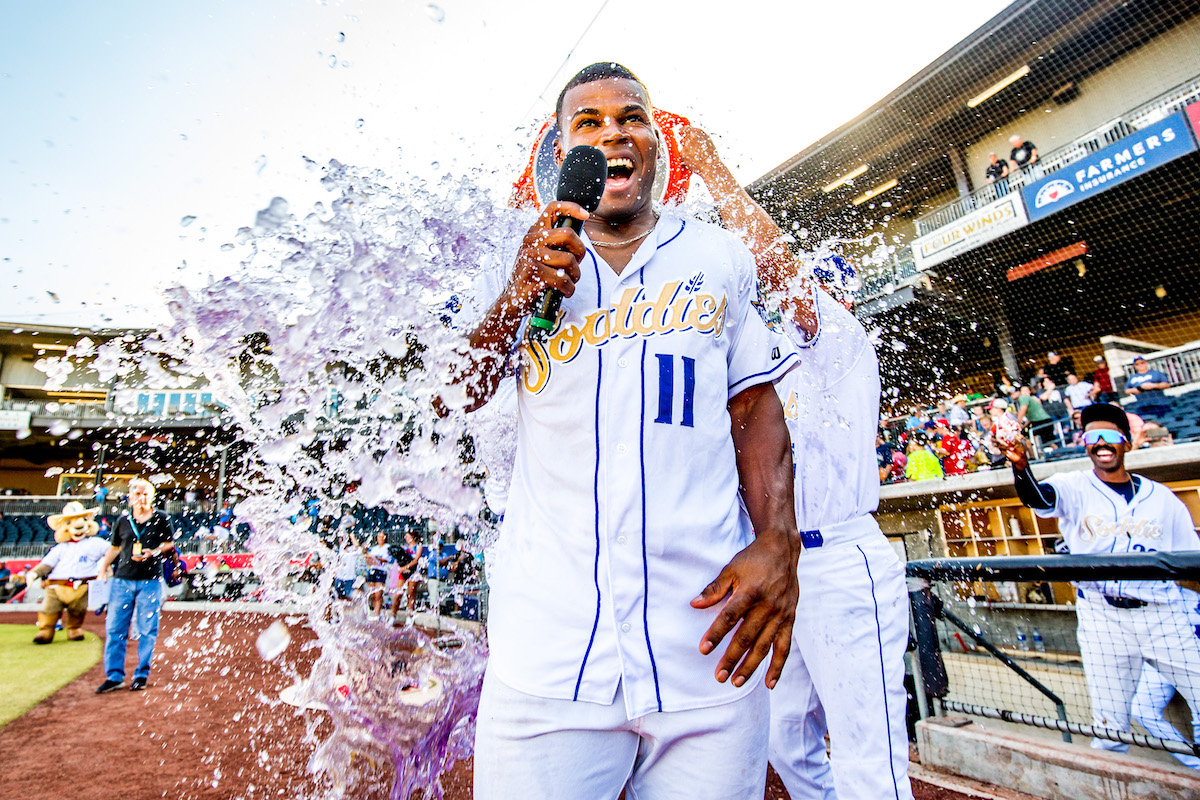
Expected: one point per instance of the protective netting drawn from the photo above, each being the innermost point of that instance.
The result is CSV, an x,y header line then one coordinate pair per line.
x,y
1086,249
1122,666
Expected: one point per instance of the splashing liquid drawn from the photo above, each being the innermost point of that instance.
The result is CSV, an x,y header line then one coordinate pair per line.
x,y
327,346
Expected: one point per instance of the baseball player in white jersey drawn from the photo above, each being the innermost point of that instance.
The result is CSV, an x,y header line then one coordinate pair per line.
x,y
624,560
1151,699
1121,623
846,670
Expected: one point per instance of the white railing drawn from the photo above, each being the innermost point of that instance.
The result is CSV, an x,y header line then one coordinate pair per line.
x,y
899,269
25,504
1145,114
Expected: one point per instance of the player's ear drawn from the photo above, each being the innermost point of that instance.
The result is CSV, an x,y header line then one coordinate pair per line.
x,y
558,151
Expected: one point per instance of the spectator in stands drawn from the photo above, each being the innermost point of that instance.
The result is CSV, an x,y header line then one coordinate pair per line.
x,y
1024,153
958,414
955,451
923,464
916,420
1078,393
1031,414
1004,387
5,573
1053,401
980,423
1146,386
1056,368
884,451
1102,385
997,171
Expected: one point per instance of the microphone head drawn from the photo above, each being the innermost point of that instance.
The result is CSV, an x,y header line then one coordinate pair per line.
x,y
584,173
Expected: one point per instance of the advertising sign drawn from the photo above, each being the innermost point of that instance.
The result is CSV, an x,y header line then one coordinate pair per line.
x,y
1193,113
1136,154
15,420
966,233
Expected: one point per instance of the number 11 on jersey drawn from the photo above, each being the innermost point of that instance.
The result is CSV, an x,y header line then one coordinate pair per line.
x,y
666,389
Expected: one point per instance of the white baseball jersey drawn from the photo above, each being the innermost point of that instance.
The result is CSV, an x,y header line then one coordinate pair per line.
x,y
832,408
623,503
846,670
71,560
1095,519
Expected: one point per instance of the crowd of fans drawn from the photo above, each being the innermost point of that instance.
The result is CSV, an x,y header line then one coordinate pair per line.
x,y
956,436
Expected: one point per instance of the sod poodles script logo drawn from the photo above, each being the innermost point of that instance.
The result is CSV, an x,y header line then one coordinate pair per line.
x,y
1052,192
678,307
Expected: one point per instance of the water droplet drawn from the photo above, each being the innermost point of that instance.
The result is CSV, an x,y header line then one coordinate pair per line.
x,y
435,165
58,428
359,123
341,37
435,12
273,641
260,164
188,220
332,61
183,137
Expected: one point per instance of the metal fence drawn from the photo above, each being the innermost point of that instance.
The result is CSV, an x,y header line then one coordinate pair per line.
x,y
1107,665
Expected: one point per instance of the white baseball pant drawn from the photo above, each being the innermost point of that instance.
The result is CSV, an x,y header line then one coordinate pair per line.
x,y
543,749
846,671
1150,700
1115,641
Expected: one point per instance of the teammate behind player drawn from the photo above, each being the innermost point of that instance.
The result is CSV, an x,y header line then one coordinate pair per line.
x,y
1121,623
846,671
638,417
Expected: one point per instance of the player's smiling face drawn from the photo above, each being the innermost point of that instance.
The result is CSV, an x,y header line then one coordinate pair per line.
x,y
614,115
1107,457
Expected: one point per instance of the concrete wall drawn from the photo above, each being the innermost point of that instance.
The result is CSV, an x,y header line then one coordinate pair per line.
x,y
1167,61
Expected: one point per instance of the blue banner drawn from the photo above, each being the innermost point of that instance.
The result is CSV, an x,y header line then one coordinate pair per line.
x,y
1134,155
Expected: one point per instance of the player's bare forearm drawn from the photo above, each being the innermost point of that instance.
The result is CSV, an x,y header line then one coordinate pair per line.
x,y
776,264
548,258
759,585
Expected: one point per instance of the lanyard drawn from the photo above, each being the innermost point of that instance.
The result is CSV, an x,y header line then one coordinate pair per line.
x,y
137,535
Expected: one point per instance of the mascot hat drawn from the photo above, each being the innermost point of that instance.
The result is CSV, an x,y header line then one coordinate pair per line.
x,y
62,523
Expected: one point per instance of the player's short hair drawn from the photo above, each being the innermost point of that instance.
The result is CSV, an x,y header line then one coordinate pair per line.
x,y
1103,412
143,482
601,70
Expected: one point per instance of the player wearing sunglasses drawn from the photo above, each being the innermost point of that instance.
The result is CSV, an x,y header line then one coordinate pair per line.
x,y
1121,623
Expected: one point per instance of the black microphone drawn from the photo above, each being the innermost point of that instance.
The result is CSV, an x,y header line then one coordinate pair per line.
x,y
584,173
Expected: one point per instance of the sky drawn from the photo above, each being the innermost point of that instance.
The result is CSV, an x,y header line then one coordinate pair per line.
x,y
121,119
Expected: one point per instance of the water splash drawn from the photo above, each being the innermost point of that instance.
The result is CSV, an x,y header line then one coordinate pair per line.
x,y
327,344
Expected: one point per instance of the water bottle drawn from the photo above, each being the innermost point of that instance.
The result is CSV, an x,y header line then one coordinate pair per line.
x,y
1038,644
1022,642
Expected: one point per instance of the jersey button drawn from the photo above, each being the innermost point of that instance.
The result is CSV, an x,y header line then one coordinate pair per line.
x,y
620,540
622,449
626,627
622,362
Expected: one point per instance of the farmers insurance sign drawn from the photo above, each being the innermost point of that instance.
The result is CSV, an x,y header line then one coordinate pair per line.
x,y
966,233
1134,155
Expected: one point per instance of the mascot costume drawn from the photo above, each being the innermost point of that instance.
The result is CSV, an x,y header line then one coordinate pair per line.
x,y
68,568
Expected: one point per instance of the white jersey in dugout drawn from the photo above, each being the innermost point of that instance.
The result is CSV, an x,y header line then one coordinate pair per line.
x,y
1095,519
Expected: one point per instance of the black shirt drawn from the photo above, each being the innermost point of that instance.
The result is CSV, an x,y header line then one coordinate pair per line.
x,y
1023,153
996,171
151,533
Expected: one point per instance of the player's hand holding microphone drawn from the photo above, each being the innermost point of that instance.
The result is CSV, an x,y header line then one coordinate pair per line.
x,y
548,262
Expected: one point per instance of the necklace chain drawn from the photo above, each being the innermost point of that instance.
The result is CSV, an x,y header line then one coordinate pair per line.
x,y
622,244
628,241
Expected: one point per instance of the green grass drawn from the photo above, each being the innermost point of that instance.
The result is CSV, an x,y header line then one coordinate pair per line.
x,y
29,673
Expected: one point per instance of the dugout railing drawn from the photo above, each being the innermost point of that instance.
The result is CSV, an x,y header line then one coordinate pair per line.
x,y
992,638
